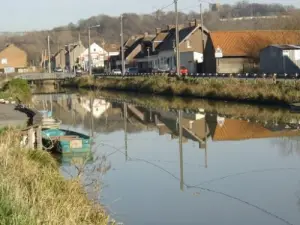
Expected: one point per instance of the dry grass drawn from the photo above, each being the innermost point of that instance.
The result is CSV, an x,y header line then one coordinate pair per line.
x,y
32,191
226,89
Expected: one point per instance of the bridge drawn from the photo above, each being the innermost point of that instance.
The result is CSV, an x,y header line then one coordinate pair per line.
x,y
46,76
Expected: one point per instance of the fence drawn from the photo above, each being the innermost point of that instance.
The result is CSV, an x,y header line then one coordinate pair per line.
x,y
210,75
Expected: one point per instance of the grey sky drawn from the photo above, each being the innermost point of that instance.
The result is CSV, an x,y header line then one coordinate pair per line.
x,y
22,15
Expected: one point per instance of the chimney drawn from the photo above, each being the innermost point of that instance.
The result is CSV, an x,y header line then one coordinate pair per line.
x,y
192,23
157,30
170,27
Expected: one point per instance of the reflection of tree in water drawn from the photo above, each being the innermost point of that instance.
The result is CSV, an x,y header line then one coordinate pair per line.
x,y
288,145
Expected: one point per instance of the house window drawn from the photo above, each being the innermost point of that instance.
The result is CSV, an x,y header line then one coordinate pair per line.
x,y
95,50
188,44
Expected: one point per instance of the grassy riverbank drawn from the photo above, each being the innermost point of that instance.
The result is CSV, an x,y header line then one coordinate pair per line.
x,y
223,89
32,191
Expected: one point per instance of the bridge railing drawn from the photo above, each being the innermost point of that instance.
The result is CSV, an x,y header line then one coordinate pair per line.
x,y
46,76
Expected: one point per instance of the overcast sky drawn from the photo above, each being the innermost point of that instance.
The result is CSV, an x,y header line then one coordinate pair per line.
x,y
22,15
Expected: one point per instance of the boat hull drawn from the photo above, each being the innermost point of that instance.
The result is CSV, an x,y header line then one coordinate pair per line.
x,y
66,142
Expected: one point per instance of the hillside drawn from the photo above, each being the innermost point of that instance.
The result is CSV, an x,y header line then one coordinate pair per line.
x,y
109,32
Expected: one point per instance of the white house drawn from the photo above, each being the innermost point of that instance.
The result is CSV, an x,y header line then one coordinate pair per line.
x,y
98,56
100,106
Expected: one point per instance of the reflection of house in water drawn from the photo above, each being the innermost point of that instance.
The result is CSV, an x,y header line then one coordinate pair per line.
x,y
226,129
98,106
194,126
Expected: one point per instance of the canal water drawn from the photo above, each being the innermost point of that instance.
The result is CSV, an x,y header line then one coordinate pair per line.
x,y
202,165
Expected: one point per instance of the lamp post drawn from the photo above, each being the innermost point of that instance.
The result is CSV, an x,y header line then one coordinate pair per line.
x,y
122,46
148,67
89,56
177,40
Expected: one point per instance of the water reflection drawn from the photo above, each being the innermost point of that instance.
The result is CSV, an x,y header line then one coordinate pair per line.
x,y
229,163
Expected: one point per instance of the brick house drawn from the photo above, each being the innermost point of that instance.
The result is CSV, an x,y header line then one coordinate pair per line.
x,y
73,53
132,47
12,59
59,59
241,49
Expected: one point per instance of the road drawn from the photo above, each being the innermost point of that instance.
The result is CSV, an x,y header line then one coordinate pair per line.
x,y
11,117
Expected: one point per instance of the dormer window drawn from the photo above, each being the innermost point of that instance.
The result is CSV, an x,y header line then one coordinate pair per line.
x,y
188,44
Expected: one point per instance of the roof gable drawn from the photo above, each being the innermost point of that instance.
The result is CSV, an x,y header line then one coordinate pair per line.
x,y
184,34
249,43
12,46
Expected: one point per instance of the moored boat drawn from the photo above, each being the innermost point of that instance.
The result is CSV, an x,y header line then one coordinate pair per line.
x,y
295,107
65,141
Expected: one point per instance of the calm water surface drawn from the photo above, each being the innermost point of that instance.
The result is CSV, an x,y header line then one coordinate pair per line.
x,y
188,166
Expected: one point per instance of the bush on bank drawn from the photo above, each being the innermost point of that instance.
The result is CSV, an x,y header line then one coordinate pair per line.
x,y
32,191
18,89
225,89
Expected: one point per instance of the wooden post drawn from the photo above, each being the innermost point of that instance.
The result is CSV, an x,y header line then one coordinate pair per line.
x,y
31,138
180,149
39,144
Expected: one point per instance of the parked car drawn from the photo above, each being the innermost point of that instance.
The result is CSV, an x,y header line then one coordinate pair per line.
x,y
132,70
163,69
183,71
116,72
58,70
79,72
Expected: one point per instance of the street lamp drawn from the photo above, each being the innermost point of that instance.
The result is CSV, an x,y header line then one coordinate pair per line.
x,y
89,57
148,67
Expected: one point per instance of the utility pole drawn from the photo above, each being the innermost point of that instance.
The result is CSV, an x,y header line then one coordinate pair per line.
x,y
122,46
202,36
49,55
89,60
180,149
89,53
177,40
148,66
125,129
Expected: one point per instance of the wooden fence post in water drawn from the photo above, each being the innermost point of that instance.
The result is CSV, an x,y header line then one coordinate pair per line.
x,y
31,138
39,137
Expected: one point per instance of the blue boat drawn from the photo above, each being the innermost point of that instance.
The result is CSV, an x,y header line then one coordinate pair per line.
x,y
65,141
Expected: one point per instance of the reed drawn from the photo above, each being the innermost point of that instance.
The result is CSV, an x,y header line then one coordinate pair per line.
x,y
32,191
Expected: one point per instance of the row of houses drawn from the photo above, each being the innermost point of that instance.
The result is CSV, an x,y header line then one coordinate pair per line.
x,y
205,51
201,50
76,55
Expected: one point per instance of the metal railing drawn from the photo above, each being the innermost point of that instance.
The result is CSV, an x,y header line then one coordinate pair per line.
x,y
212,75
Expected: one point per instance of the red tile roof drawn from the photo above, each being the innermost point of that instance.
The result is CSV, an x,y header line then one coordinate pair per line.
x,y
247,43
234,129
